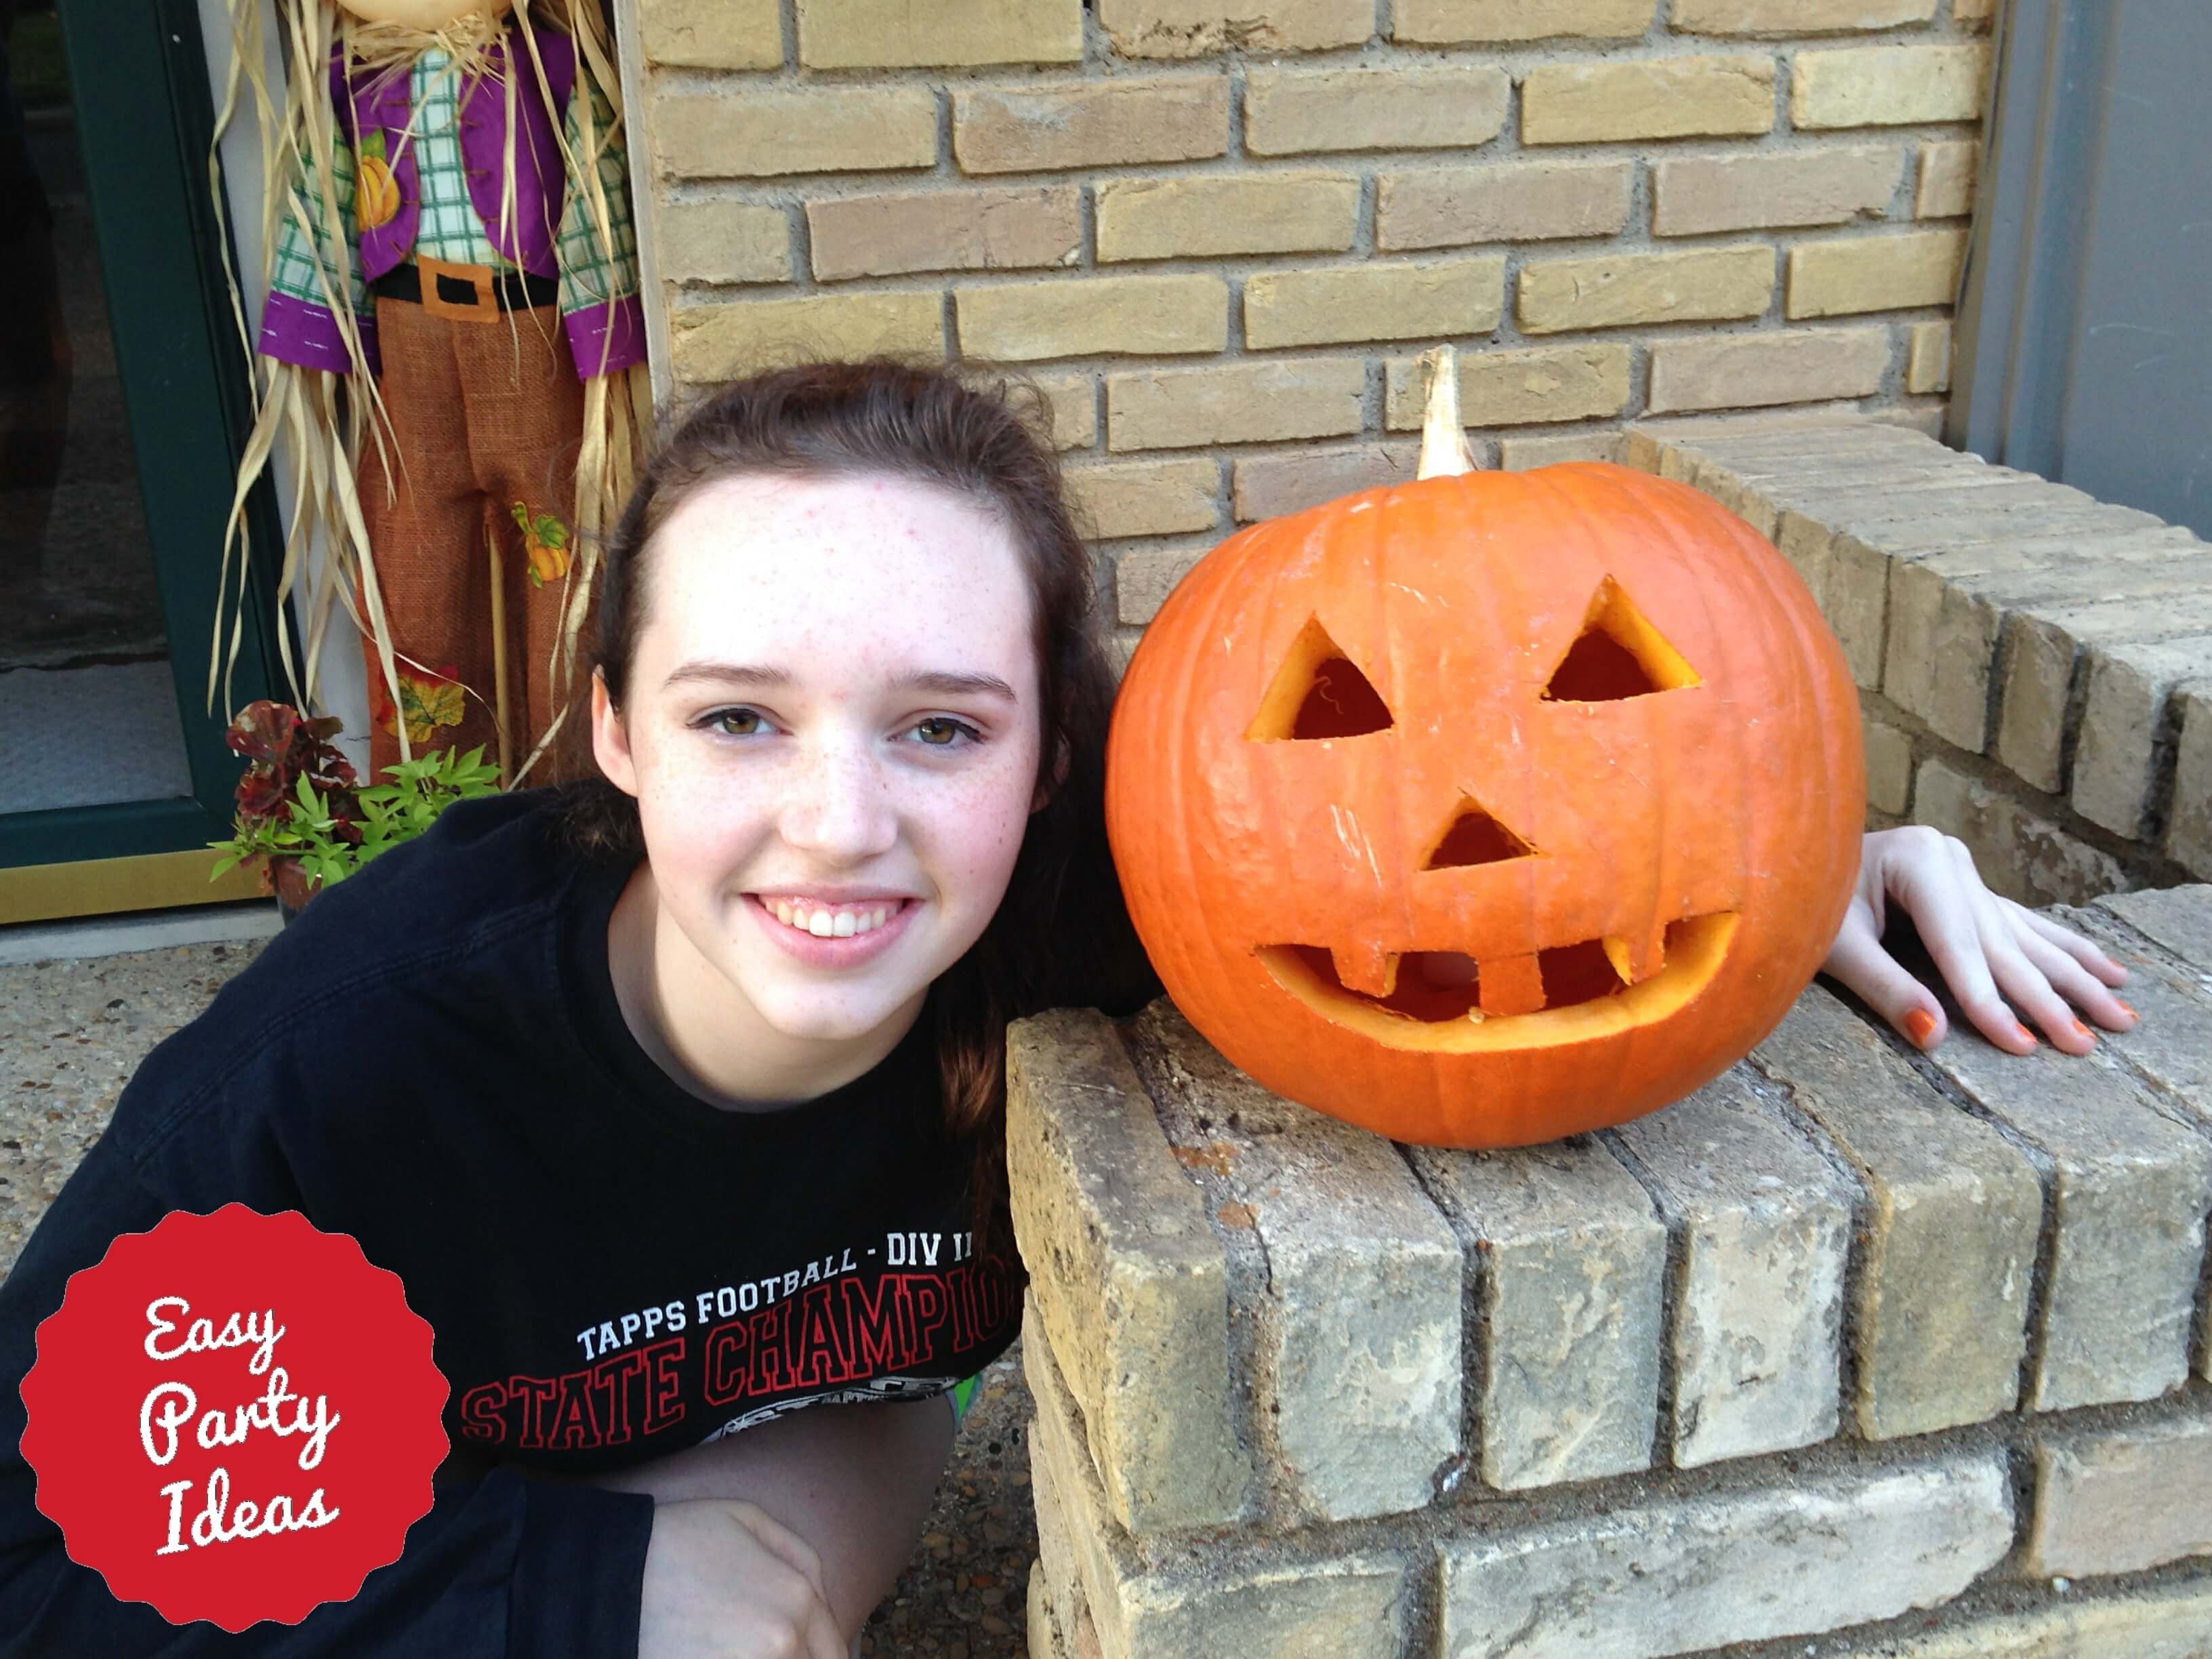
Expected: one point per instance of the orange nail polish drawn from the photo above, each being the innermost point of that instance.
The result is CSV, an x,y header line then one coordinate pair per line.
x,y
1920,1025
2080,1029
2129,1011
2027,1035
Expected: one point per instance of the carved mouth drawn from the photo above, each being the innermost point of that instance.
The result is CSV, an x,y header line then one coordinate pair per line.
x,y
1439,1000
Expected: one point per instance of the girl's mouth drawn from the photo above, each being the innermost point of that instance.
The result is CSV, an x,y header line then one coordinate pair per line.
x,y
832,936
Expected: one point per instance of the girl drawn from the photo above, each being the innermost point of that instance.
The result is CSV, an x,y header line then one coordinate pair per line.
x,y
674,1099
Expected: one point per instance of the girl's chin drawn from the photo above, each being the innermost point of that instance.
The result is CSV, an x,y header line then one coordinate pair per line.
x,y
848,1023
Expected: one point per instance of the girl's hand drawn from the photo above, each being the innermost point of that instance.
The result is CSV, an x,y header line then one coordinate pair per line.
x,y
1983,942
724,1580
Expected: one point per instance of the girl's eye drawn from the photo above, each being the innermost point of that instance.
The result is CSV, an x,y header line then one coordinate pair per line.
x,y
949,730
733,722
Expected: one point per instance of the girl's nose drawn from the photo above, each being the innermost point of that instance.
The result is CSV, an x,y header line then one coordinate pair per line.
x,y
840,808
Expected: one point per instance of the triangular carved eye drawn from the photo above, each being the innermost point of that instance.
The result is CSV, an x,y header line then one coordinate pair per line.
x,y
1318,692
1619,654
1473,836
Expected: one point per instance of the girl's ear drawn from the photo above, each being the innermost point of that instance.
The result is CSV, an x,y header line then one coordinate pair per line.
x,y
1044,791
610,739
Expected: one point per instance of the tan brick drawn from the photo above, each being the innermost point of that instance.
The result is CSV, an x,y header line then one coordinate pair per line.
x,y
2021,853
1349,1606
2127,726
1612,289
2188,827
917,33
1143,316
884,236
1696,195
1651,98
1128,1289
731,34
1431,298
1887,86
1071,410
1213,215
1875,273
1145,498
1290,112
1928,362
738,131
723,242
712,342
1271,486
2121,1501
1507,202
1766,365
2166,1623
1145,576
1794,17
1946,186
1517,388
2041,637
1889,768
1235,403
1459,22
1524,454
1975,13
1090,123
1192,28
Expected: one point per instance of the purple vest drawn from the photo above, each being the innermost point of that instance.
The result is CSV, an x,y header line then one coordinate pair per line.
x,y
383,100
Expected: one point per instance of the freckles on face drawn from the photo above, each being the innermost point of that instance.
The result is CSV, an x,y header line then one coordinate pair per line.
x,y
780,736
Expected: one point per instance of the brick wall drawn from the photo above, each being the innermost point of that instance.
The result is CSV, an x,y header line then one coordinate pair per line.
x,y
1218,235
1857,1352
2034,665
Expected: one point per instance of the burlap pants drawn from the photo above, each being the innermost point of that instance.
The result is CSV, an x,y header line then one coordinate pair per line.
x,y
489,417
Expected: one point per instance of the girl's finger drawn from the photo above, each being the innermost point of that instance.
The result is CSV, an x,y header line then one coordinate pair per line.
x,y
2020,979
2086,952
1931,891
785,1545
2070,978
1881,982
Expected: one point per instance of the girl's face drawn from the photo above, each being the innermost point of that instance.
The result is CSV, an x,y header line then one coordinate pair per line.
x,y
832,732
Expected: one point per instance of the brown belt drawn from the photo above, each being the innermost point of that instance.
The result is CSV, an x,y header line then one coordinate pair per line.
x,y
464,294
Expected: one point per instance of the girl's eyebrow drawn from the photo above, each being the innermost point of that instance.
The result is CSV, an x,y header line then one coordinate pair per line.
x,y
945,681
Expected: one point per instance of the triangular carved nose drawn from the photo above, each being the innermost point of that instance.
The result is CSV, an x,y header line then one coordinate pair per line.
x,y
1473,836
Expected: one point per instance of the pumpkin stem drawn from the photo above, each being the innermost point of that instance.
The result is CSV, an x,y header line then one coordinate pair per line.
x,y
1443,441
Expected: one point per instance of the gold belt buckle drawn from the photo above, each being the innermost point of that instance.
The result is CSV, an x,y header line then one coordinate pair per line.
x,y
485,308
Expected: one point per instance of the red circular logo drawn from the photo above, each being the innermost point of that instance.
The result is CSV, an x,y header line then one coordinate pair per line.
x,y
233,1417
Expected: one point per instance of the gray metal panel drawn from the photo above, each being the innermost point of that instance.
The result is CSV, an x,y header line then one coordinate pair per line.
x,y
2084,347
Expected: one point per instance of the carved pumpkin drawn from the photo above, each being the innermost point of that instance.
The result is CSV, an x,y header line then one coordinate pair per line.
x,y
1490,808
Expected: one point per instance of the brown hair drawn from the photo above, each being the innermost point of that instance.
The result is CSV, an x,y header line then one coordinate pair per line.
x,y
1062,936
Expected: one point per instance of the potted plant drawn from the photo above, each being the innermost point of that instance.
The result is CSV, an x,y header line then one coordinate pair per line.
x,y
300,810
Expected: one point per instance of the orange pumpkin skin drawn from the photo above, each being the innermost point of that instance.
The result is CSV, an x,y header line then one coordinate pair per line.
x,y
1699,839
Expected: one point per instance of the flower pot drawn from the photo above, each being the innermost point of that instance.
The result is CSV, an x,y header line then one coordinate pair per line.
x,y
292,886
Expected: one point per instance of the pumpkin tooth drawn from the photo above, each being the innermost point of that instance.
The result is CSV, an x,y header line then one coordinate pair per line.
x,y
1511,985
1368,968
1637,959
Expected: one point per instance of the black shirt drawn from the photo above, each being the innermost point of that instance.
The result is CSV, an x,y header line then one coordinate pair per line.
x,y
432,1060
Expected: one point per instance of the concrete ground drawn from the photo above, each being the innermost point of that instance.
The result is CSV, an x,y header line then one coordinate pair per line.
x,y
81,1005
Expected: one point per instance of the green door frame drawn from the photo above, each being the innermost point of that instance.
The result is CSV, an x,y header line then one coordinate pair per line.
x,y
138,80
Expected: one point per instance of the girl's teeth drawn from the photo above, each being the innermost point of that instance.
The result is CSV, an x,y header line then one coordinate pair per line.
x,y
826,924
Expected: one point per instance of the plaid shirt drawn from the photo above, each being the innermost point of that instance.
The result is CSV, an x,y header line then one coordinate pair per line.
x,y
449,228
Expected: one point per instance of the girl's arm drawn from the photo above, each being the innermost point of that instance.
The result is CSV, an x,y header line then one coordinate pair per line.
x,y
1987,947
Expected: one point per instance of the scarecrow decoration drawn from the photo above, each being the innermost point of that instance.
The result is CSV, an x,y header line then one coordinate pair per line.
x,y
1490,808
452,347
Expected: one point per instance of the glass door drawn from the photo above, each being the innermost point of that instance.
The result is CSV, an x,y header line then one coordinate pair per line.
x,y
123,407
